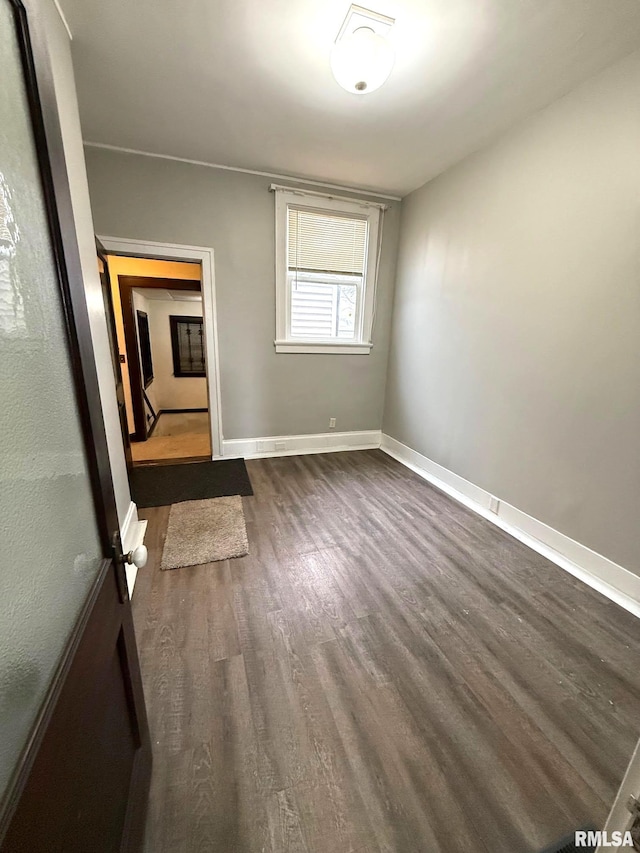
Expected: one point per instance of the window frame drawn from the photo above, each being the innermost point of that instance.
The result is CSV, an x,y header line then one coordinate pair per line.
x,y
174,320
319,203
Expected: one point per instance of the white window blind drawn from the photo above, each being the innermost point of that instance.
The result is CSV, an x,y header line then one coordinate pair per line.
x,y
322,242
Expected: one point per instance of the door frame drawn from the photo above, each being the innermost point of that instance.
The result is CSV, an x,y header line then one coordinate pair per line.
x,y
115,353
32,39
205,257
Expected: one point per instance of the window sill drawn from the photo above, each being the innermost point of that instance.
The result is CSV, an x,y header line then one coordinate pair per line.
x,y
323,347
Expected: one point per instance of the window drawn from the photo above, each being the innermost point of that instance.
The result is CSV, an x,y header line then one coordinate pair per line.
x,y
145,348
187,346
326,268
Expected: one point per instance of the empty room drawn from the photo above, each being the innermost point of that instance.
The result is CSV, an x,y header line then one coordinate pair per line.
x,y
320,338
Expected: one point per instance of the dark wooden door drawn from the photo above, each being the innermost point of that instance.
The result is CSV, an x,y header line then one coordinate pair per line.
x,y
75,754
86,782
107,298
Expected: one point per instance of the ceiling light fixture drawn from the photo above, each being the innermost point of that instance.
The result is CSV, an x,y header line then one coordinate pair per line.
x,y
362,58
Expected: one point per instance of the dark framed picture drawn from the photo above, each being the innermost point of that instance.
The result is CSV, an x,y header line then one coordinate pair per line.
x,y
187,345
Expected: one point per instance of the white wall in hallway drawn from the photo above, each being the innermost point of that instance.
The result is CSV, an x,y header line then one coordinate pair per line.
x,y
173,392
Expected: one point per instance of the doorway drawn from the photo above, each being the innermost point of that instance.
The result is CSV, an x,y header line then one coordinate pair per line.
x,y
162,340
164,333
174,286
161,331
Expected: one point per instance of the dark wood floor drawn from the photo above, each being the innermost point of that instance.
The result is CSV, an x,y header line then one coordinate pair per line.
x,y
385,671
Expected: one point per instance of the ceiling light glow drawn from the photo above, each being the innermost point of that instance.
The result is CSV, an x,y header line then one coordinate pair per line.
x,y
362,59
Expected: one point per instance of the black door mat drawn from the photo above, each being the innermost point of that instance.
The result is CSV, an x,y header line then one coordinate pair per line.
x,y
161,485
568,844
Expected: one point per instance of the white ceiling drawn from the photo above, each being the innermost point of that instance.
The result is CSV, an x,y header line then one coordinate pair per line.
x,y
154,293
247,83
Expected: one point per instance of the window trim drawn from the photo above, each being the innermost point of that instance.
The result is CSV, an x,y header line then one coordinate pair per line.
x,y
318,202
174,319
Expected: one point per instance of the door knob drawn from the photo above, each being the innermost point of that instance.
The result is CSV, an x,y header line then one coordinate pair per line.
x,y
137,557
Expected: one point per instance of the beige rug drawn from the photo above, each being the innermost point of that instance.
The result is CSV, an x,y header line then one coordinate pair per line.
x,y
204,532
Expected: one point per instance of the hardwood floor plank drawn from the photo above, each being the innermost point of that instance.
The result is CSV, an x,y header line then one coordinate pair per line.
x,y
286,831
384,672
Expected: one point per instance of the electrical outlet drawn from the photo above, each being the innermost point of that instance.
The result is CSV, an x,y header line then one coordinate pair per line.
x,y
494,504
332,423
281,445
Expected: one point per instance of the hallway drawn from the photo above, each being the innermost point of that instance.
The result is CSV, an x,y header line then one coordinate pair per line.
x,y
178,435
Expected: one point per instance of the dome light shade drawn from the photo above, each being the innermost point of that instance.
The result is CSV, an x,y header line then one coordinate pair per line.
x,y
362,61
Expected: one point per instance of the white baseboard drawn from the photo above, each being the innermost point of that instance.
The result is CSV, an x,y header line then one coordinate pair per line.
x,y
132,533
298,445
600,573
128,525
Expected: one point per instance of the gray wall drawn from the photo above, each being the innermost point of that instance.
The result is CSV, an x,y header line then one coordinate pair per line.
x,y
515,358
263,393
